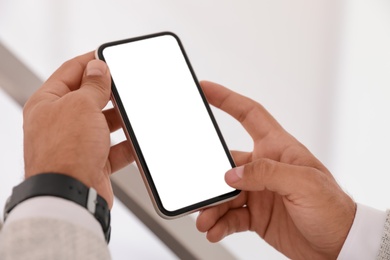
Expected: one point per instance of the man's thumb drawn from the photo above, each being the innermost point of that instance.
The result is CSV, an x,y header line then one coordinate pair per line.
x,y
234,175
271,175
96,82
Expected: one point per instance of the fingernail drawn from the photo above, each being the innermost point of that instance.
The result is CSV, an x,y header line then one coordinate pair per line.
x,y
234,174
95,68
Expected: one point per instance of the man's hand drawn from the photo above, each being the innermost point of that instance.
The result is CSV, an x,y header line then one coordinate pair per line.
x,y
288,197
65,130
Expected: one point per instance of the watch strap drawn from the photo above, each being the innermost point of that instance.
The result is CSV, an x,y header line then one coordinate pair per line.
x,y
66,187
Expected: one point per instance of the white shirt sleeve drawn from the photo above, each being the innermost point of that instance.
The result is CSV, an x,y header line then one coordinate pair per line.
x,y
364,238
55,208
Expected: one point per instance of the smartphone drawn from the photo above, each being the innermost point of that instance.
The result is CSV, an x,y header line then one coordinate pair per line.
x,y
177,144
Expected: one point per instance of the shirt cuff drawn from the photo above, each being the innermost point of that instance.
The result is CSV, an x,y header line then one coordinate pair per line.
x,y
364,238
55,208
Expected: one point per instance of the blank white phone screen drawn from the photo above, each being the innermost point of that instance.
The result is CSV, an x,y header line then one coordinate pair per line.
x,y
180,145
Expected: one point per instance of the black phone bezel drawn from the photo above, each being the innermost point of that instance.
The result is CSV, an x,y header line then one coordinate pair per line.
x,y
136,146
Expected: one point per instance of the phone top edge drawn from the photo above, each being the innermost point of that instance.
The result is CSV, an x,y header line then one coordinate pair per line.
x,y
99,50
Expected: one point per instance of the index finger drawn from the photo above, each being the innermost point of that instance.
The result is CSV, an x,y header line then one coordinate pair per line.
x,y
68,77
253,116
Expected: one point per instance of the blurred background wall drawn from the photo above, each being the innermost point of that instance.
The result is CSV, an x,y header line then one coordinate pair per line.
x,y
322,68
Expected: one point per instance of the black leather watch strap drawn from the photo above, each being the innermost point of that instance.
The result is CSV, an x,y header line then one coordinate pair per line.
x,y
63,186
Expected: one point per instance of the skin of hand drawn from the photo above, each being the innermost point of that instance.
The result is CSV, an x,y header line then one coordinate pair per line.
x,y
66,131
288,197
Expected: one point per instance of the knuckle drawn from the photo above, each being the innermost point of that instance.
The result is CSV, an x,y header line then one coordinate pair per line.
x,y
259,171
264,166
72,63
97,86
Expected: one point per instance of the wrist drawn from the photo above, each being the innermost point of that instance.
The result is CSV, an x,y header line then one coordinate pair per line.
x,y
81,175
62,186
90,179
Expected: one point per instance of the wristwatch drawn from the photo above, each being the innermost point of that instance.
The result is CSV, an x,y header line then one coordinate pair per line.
x,y
66,187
